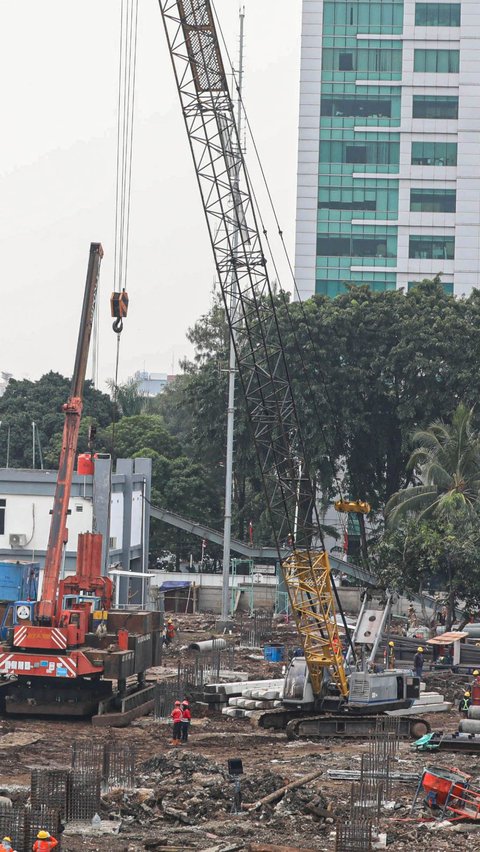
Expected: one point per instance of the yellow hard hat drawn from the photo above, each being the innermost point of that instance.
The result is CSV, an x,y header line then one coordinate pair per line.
x,y
420,648
476,672
466,694
43,835
7,840
391,644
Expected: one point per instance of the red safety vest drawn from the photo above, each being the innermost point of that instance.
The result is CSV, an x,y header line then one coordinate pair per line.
x,y
170,631
186,715
176,714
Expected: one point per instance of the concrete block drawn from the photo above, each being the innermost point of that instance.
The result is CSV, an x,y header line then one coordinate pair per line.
x,y
441,707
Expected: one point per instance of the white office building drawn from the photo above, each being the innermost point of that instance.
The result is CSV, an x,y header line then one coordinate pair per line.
x,y
389,154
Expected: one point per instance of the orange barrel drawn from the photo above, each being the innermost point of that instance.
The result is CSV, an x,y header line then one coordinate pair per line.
x,y
122,637
85,464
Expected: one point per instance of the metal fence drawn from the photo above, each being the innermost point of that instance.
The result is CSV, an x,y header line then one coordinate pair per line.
x,y
166,693
256,630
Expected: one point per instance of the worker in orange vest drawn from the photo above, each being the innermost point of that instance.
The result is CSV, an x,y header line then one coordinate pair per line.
x,y
44,842
176,715
6,845
169,631
186,719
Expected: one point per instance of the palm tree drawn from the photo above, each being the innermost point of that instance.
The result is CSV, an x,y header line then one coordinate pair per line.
x,y
447,458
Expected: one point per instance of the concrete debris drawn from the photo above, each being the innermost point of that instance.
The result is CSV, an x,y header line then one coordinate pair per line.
x,y
18,739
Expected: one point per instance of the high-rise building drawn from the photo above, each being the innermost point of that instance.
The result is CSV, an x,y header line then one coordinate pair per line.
x,y
389,145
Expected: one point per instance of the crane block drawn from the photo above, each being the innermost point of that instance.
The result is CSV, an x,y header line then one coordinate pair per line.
x,y
119,304
360,507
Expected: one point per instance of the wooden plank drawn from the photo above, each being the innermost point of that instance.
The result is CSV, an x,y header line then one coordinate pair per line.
x,y
268,847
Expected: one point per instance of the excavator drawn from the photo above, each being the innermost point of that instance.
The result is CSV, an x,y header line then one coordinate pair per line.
x,y
63,653
343,702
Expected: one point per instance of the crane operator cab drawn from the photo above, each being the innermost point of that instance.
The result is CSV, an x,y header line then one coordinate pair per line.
x,y
368,692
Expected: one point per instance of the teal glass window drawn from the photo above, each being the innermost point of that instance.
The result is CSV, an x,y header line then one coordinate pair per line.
x,y
434,154
341,199
437,61
435,106
375,246
433,200
437,14
447,286
432,247
363,153
336,287
363,17
376,63
340,107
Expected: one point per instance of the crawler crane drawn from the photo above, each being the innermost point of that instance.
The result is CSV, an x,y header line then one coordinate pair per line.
x,y
318,681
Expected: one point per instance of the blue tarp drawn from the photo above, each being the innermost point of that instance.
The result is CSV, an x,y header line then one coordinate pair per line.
x,y
174,584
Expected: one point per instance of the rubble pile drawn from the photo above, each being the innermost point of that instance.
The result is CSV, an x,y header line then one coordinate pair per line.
x,y
184,789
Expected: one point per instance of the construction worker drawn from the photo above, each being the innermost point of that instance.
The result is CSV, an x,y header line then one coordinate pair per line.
x,y
476,675
44,842
418,661
6,845
176,715
169,632
391,655
186,719
465,703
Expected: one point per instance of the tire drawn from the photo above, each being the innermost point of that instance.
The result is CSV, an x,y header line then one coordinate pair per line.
x,y
419,728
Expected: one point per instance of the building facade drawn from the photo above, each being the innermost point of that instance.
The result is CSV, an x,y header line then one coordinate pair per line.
x,y
151,384
117,505
389,161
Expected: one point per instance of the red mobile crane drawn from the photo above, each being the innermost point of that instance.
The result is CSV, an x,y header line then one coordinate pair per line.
x,y
63,653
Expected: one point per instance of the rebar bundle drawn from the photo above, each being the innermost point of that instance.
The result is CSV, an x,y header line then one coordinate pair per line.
x,y
49,788
353,836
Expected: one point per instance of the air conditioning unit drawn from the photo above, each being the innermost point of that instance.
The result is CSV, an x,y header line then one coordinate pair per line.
x,y
17,539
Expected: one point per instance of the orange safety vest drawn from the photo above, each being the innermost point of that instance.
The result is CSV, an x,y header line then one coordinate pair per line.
x,y
170,631
45,845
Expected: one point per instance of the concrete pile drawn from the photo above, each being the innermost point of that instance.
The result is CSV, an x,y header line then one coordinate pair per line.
x,y
429,702
251,701
219,696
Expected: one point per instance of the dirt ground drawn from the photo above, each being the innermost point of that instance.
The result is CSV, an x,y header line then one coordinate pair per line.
x,y
183,796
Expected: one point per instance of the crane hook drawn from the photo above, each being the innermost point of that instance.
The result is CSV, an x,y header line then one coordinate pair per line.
x,y
117,325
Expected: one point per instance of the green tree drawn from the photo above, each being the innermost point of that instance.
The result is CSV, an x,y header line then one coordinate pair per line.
x,y
440,515
42,402
128,398
436,554
447,461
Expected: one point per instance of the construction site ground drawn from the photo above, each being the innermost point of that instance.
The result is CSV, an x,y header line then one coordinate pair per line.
x,y
183,796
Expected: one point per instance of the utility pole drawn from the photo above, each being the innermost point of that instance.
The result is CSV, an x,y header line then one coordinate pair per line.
x,y
227,522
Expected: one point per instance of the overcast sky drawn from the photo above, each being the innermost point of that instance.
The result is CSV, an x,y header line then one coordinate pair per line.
x,y
59,66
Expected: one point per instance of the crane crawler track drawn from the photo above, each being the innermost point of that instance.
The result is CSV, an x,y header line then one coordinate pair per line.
x,y
342,725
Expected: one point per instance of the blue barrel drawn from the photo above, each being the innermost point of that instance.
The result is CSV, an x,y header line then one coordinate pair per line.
x,y
274,653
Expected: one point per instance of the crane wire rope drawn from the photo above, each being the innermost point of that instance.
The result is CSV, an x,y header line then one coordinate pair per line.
x,y
127,67
282,293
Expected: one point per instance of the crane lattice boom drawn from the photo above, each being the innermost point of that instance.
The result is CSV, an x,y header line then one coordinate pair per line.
x,y
249,302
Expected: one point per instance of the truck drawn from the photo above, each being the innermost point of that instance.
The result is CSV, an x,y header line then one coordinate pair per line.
x,y
71,653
